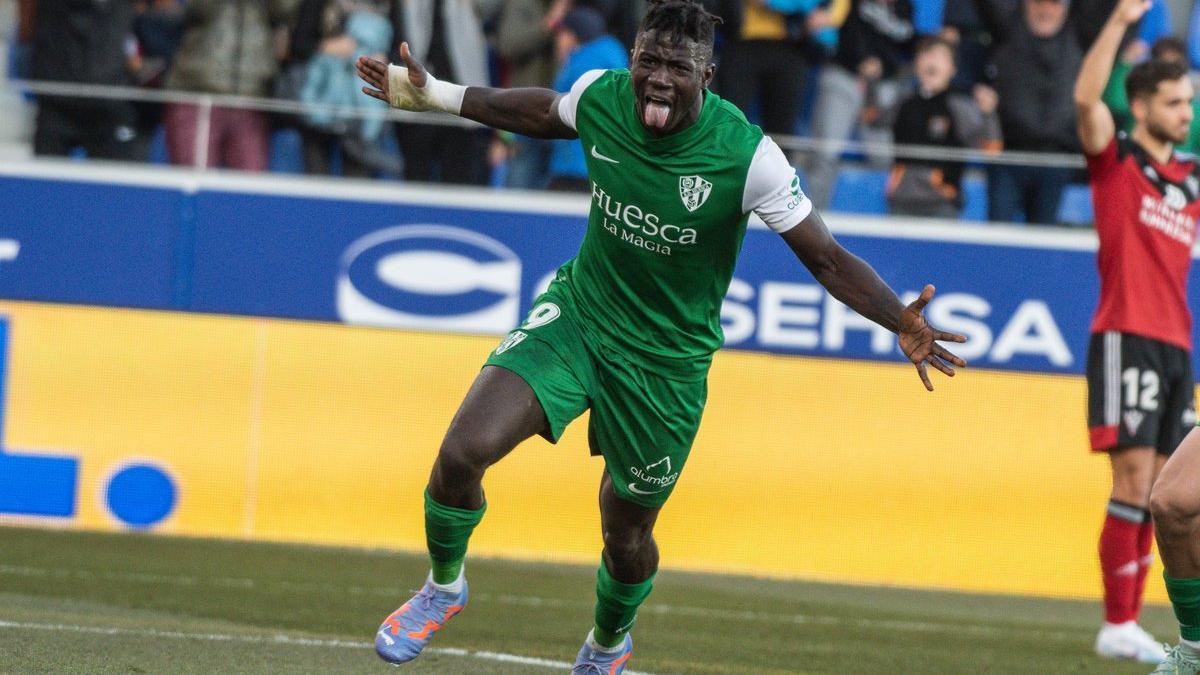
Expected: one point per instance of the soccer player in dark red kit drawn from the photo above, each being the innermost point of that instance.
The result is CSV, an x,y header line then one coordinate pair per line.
x,y
1140,386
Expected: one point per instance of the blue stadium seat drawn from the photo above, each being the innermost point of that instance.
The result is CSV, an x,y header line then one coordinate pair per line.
x,y
860,191
158,146
975,199
286,153
1076,205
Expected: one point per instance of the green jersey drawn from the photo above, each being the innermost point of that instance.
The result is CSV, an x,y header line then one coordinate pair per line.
x,y
667,219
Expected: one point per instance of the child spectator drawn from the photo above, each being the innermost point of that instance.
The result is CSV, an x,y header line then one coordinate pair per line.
x,y
937,116
863,79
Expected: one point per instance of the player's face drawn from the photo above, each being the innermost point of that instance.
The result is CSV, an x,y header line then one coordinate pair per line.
x,y
1167,114
669,81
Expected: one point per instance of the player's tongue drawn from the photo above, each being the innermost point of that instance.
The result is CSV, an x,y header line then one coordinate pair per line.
x,y
655,114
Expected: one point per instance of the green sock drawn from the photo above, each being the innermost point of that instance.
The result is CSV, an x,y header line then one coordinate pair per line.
x,y
1185,598
616,606
447,530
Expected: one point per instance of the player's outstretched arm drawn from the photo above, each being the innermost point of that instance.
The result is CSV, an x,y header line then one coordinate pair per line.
x,y
1094,121
529,111
851,280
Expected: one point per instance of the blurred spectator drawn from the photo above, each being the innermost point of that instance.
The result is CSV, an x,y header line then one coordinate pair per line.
x,y
582,45
85,41
937,116
962,28
525,39
327,37
1088,17
1166,49
229,47
621,16
1036,57
1193,37
447,37
863,80
158,29
16,113
764,60
22,48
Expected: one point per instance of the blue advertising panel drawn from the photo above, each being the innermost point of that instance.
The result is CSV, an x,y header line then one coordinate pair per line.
x,y
476,270
381,264
473,261
89,243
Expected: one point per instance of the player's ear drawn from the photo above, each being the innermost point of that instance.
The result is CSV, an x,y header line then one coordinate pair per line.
x,y
1137,108
709,71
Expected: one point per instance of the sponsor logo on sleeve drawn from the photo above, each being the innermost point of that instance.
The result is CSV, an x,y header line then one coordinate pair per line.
x,y
795,194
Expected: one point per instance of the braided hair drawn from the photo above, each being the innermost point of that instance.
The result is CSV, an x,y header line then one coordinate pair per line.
x,y
680,20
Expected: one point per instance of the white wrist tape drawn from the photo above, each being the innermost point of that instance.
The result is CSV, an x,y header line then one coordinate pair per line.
x,y
435,95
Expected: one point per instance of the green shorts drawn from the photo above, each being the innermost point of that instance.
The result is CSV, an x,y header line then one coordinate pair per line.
x,y
642,423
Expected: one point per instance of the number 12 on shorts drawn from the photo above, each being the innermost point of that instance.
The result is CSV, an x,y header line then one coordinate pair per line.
x,y
1141,389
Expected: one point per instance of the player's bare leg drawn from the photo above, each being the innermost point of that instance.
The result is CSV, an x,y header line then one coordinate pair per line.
x,y
499,412
625,577
1125,543
1175,503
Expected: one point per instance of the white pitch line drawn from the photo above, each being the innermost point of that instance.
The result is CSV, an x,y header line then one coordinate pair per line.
x,y
749,616
281,639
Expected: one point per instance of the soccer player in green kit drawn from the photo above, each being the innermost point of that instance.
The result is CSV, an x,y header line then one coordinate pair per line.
x,y
628,327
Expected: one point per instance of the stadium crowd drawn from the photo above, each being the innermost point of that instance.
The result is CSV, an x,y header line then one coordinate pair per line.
x,y
989,75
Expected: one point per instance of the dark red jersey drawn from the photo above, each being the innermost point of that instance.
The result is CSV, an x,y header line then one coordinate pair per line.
x,y
1146,215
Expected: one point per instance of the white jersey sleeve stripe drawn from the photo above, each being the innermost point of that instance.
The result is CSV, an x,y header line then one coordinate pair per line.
x,y
569,102
773,189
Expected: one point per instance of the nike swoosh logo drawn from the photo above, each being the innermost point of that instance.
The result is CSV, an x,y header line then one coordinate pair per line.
x,y
634,489
597,155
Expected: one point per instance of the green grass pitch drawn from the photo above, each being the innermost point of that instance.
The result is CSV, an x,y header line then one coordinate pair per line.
x,y
104,603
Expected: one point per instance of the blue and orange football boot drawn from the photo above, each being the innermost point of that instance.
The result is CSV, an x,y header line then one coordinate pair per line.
x,y
409,629
592,661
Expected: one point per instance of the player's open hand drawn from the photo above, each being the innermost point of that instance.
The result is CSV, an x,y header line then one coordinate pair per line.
x,y
401,86
374,73
919,340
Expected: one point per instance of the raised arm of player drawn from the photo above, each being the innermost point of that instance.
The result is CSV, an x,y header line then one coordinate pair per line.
x,y
851,280
1093,120
529,111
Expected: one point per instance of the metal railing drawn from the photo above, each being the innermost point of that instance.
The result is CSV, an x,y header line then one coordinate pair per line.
x,y
932,152
206,103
